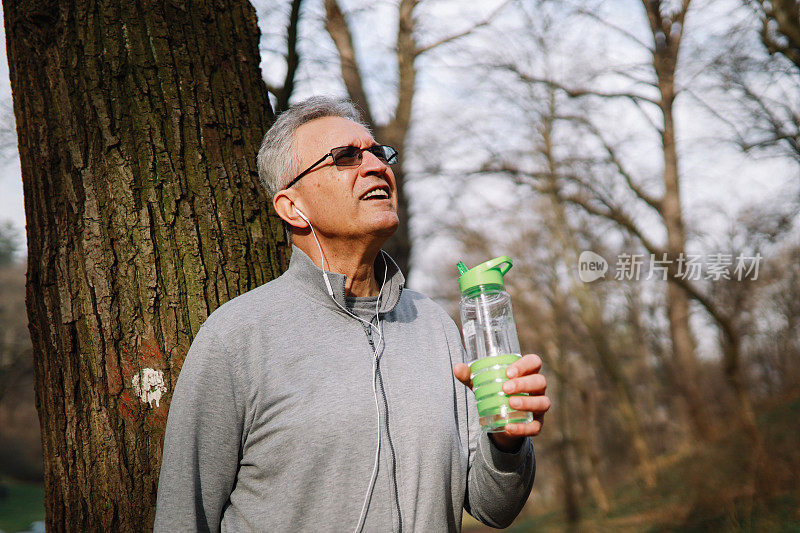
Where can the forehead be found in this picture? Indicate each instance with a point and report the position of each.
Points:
(322, 134)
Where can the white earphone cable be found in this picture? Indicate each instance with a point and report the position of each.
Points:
(379, 330)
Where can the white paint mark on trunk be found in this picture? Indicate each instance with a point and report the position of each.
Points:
(149, 385)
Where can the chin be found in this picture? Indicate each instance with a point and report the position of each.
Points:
(386, 225)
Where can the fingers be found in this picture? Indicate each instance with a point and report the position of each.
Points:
(462, 374)
(527, 367)
(530, 429)
(527, 364)
(525, 378)
(537, 405)
(534, 404)
(532, 384)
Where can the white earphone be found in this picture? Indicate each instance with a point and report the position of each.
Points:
(379, 331)
(322, 257)
(302, 215)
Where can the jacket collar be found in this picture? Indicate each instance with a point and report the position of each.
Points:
(303, 269)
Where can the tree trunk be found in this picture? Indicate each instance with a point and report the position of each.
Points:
(395, 131)
(590, 453)
(591, 317)
(399, 244)
(590, 309)
(571, 507)
(138, 127)
(731, 344)
(684, 368)
(667, 32)
(569, 483)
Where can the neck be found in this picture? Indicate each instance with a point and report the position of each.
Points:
(354, 259)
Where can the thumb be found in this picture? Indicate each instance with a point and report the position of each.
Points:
(462, 374)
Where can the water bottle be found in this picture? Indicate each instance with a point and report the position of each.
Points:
(490, 339)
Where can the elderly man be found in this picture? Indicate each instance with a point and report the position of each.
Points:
(327, 399)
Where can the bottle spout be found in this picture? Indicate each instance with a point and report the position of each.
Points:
(487, 273)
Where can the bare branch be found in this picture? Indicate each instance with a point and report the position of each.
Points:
(652, 201)
(719, 116)
(337, 28)
(626, 74)
(622, 31)
(395, 132)
(292, 58)
(456, 36)
(785, 18)
(623, 220)
(609, 211)
(573, 91)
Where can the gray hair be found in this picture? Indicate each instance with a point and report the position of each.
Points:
(278, 159)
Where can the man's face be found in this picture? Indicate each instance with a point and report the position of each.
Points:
(333, 198)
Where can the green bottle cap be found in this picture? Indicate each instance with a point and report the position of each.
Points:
(489, 273)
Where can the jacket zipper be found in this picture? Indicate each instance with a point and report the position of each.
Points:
(368, 330)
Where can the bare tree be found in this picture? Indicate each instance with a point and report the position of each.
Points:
(751, 90)
(590, 310)
(620, 201)
(575, 184)
(283, 93)
(395, 131)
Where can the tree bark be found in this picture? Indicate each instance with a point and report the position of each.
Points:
(138, 127)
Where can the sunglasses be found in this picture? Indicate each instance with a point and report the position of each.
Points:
(352, 156)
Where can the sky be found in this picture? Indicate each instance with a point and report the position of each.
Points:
(11, 203)
(722, 180)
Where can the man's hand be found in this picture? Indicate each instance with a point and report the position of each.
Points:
(523, 377)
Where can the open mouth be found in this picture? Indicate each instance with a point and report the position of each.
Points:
(379, 193)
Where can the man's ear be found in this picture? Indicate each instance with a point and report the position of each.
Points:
(287, 210)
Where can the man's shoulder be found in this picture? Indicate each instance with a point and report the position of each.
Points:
(255, 306)
(423, 306)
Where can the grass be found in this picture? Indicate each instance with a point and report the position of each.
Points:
(652, 513)
(22, 505)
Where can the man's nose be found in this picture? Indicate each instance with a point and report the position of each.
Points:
(371, 164)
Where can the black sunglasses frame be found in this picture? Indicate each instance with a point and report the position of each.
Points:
(378, 150)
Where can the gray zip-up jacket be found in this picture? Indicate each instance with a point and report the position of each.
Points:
(273, 425)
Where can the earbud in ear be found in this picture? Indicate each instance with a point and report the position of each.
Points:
(302, 215)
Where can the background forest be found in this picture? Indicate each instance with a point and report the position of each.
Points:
(662, 136)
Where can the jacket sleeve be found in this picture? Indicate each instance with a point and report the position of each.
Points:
(202, 441)
(498, 483)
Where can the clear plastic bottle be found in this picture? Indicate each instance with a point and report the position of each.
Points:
(490, 339)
